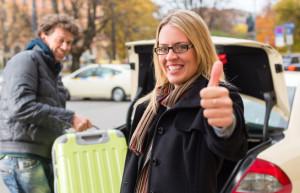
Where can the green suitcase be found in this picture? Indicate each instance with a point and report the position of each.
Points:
(89, 162)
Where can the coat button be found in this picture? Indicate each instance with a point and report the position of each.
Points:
(160, 130)
(155, 162)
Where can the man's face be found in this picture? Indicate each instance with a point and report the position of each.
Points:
(59, 42)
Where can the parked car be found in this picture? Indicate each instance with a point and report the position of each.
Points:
(273, 167)
(271, 112)
(291, 62)
(107, 81)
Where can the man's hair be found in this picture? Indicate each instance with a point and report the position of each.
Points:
(51, 21)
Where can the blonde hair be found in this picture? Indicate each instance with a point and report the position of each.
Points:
(195, 29)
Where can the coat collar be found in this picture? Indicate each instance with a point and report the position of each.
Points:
(40, 46)
(191, 98)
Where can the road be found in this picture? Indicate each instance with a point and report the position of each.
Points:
(103, 114)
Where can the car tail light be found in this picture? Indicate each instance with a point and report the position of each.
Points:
(292, 68)
(263, 177)
(223, 58)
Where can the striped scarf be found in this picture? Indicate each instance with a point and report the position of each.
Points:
(168, 96)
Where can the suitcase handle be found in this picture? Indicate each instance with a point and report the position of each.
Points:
(87, 138)
(96, 127)
(72, 130)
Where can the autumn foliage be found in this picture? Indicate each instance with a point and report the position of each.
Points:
(265, 25)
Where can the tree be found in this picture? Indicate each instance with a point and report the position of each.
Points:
(111, 22)
(34, 17)
(288, 11)
(130, 20)
(210, 10)
(15, 27)
(4, 31)
(92, 19)
(265, 25)
(54, 6)
(216, 12)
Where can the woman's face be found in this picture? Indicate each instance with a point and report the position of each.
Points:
(178, 67)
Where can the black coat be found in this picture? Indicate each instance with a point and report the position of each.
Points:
(187, 154)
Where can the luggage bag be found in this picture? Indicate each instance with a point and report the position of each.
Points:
(89, 162)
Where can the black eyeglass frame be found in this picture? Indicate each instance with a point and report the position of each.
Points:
(188, 46)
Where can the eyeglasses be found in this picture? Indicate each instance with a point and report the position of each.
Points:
(177, 48)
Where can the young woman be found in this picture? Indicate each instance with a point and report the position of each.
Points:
(189, 123)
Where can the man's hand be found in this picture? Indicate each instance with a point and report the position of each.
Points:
(216, 101)
(80, 123)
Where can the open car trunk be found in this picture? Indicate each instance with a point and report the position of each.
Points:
(248, 65)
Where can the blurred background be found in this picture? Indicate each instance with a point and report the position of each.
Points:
(107, 24)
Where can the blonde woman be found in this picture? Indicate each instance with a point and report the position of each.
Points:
(189, 123)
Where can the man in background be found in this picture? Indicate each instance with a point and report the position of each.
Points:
(32, 108)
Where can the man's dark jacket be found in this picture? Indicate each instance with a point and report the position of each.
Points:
(186, 154)
(32, 106)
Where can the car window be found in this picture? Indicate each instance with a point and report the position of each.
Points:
(291, 93)
(86, 73)
(105, 72)
(290, 59)
(295, 60)
(255, 112)
(286, 60)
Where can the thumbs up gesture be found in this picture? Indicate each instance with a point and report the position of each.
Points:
(215, 100)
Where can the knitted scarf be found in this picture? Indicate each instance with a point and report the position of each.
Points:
(166, 95)
(39, 42)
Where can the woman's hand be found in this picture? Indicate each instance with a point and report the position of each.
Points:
(216, 101)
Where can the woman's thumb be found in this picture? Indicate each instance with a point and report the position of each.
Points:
(216, 73)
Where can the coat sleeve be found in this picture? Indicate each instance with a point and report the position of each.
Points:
(63, 93)
(234, 147)
(21, 95)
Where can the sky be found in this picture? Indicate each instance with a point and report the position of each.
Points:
(253, 6)
(250, 5)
